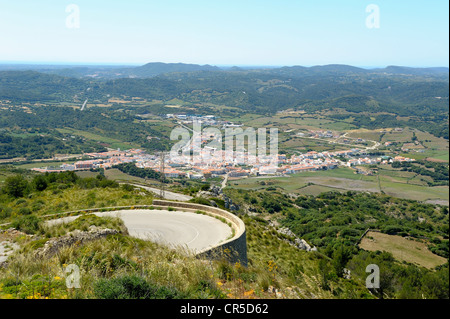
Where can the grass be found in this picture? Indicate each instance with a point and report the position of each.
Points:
(402, 249)
(286, 266)
(86, 174)
(393, 182)
(115, 174)
(109, 265)
(83, 223)
(296, 182)
(43, 164)
(416, 192)
(105, 261)
(373, 135)
(113, 143)
(54, 201)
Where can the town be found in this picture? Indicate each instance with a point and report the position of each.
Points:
(219, 166)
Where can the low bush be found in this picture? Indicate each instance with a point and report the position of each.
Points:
(133, 287)
(29, 224)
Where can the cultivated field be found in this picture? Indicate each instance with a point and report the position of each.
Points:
(393, 182)
(402, 249)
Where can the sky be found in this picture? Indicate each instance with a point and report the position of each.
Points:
(226, 32)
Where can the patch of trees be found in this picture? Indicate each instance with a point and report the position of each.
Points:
(402, 281)
(38, 147)
(437, 171)
(116, 124)
(18, 186)
(133, 170)
(332, 219)
(334, 223)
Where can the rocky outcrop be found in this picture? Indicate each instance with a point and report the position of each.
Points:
(54, 245)
(7, 244)
(216, 191)
(205, 194)
(296, 242)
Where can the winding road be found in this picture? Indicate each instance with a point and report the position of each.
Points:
(167, 194)
(195, 232)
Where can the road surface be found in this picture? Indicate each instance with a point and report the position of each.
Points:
(174, 229)
(168, 195)
(225, 181)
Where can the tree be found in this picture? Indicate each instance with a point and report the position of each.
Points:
(39, 183)
(325, 273)
(16, 186)
(340, 258)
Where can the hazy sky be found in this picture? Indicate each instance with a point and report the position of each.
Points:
(226, 32)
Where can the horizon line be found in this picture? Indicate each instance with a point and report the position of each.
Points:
(80, 64)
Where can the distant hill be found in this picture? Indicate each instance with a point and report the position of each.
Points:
(157, 68)
(422, 93)
(413, 71)
(153, 69)
(342, 70)
(112, 72)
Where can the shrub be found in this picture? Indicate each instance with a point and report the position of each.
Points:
(38, 205)
(5, 212)
(24, 211)
(133, 287)
(201, 201)
(29, 224)
(206, 289)
(21, 201)
(127, 187)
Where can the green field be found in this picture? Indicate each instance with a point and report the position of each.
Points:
(113, 143)
(393, 182)
(42, 164)
(403, 249)
(115, 174)
(296, 122)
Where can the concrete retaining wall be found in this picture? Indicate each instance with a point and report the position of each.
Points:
(233, 249)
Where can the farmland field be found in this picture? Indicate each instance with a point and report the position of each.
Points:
(403, 249)
(393, 182)
(113, 143)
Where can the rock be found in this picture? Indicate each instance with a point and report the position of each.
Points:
(213, 203)
(216, 190)
(205, 194)
(298, 242)
(347, 274)
(54, 245)
(6, 248)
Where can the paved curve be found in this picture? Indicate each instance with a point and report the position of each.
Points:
(193, 231)
(168, 194)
